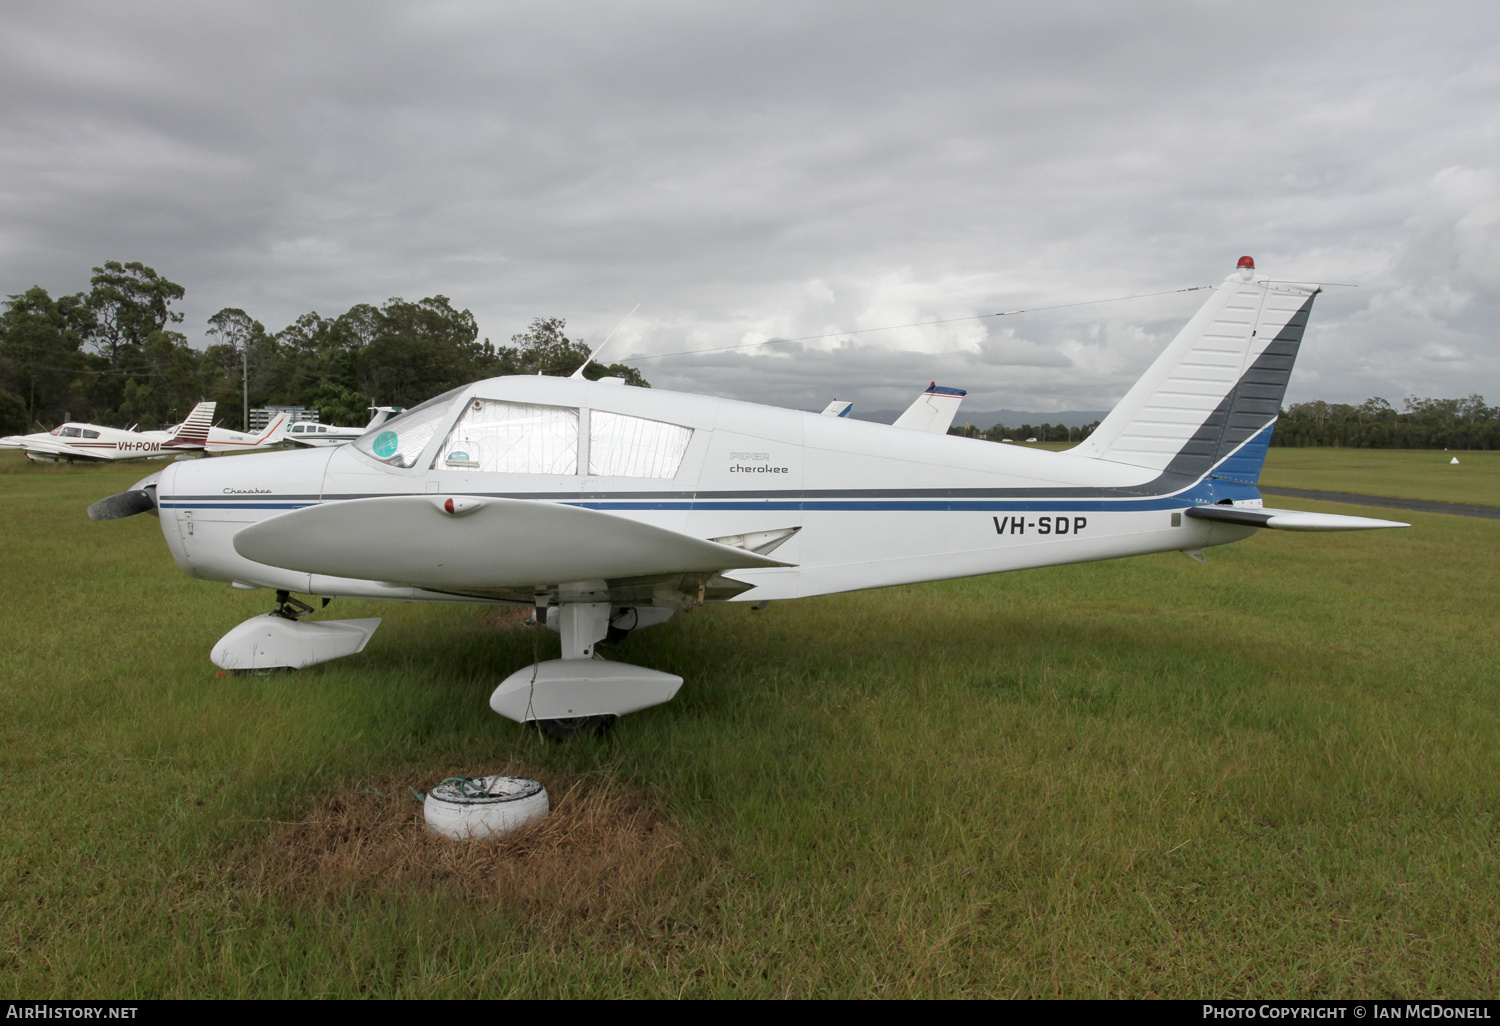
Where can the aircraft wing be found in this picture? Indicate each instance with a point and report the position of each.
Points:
(474, 545)
(1288, 519)
(53, 448)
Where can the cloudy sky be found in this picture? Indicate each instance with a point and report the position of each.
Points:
(747, 171)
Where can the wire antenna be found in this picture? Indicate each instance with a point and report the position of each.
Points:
(579, 372)
(918, 324)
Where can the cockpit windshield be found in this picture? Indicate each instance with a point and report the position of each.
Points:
(400, 440)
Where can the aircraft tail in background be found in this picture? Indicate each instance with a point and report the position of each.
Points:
(933, 411)
(193, 433)
(1210, 401)
(274, 430)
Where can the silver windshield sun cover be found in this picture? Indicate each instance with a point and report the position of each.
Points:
(401, 440)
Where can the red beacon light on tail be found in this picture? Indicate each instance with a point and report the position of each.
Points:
(1247, 268)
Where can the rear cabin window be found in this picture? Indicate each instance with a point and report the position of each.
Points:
(512, 438)
(621, 446)
(90, 434)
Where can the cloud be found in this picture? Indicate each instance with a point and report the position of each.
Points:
(784, 171)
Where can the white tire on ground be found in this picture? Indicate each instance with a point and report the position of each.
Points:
(484, 806)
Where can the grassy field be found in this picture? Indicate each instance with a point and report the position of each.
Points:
(1402, 473)
(1272, 774)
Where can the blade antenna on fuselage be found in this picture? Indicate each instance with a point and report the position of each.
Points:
(579, 372)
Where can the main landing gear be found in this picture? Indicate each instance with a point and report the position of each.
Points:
(289, 608)
(580, 694)
(575, 726)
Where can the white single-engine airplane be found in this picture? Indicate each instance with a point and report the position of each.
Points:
(194, 436)
(314, 435)
(607, 506)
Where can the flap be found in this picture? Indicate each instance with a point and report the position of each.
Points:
(448, 542)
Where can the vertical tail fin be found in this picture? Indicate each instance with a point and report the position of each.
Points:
(933, 411)
(381, 414)
(193, 432)
(1210, 400)
(274, 430)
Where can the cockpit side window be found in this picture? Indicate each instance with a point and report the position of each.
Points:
(399, 441)
(512, 438)
(72, 432)
(623, 446)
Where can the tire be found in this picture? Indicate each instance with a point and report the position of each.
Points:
(464, 810)
(575, 726)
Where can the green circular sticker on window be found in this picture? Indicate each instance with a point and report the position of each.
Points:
(385, 444)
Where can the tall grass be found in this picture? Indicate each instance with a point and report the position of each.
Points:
(1272, 774)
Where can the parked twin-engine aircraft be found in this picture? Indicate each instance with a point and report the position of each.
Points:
(76, 441)
(305, 433)
(606, 506)
(194, 436)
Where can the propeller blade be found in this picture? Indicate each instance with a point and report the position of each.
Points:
(125, 504)
(139, 498)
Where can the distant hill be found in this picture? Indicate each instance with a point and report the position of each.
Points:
(985, 421)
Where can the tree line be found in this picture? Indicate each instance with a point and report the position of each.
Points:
(1027, 432)
(112, 355)
(1375, 424)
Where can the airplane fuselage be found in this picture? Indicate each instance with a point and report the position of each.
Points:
(876, 505)
(321, 435)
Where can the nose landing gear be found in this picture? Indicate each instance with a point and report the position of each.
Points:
(289, 608)
(281, 640)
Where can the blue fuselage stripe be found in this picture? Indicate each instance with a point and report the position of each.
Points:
(165, 504)
(887, 505)
(1184, 499)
